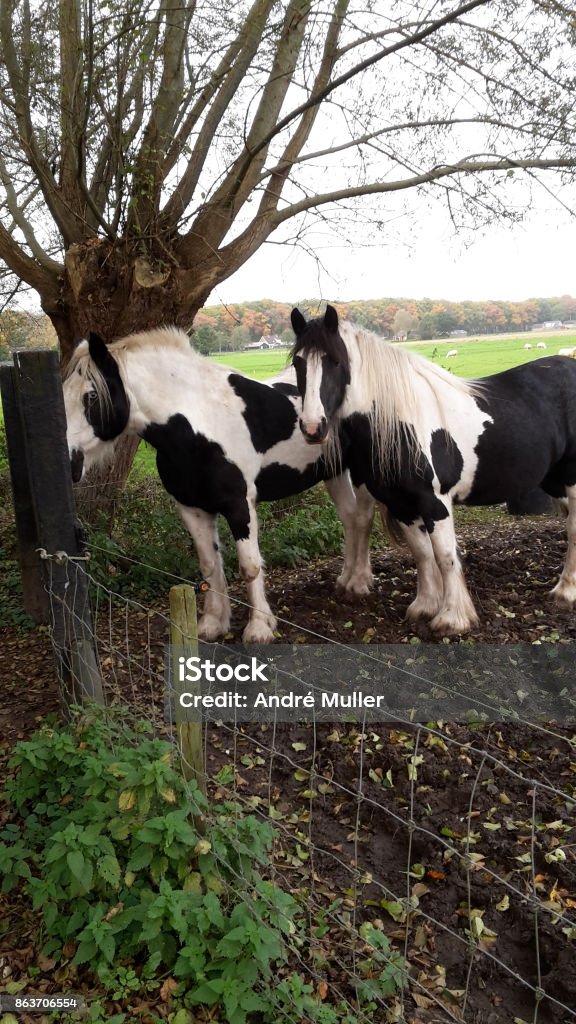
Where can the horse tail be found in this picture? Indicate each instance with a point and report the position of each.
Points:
(391, 527)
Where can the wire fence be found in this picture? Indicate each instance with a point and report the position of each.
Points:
(454, 840)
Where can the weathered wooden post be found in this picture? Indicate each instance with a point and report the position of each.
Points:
(36, 387)
(183, 636)
(36, 603)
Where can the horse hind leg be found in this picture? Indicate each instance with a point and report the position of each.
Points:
(564, 593)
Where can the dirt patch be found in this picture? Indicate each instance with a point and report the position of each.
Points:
(510, 569)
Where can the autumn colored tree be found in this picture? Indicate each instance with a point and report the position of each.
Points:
(148, 149)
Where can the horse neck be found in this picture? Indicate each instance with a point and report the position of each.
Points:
(162, 381)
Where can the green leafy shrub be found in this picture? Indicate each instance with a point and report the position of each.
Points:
(139, 873)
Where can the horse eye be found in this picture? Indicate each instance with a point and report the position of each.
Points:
(92, 396)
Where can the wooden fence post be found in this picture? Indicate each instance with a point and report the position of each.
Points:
(36, 602)
(42, 417)
(183, 636)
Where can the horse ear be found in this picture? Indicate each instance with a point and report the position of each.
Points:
(100, 355)
(331, 319)
(298, 322)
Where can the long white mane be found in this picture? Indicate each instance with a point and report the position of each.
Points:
(396, 387)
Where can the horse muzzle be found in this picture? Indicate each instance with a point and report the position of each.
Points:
(77, 464)
(315, 433)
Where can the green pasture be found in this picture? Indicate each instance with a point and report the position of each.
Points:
(484, 356)
(255, 364)
(477, 357)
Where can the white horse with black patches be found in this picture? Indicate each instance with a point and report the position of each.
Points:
(223, 443)
(421, 439)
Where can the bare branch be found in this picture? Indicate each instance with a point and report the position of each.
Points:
(23, 224)
(467, 166)
(148, 171)
(19, 81)
(249, 40)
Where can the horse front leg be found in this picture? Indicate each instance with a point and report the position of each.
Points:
(564, 593)
(356, 511)
(262, 623)
(215, 619)
(457, 613)
(430, 587)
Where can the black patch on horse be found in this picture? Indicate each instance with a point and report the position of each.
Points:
(107, 419)
(269, 416)
(277, 481)
(446, 459)
(532, 439)
(406, 490)
(195, 471)
(290, 390)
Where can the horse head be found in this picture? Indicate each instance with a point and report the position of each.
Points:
(97, 406)
(322, 366)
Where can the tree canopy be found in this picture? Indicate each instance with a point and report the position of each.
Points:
(149, 148)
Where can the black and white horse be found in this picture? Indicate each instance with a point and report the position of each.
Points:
(223, 442)
(420, 439)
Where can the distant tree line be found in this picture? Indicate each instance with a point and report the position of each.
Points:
(229, 328)
(232, 328)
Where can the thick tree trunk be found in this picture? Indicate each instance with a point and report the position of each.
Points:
(106, 290)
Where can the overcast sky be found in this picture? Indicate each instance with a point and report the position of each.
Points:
(533, 259)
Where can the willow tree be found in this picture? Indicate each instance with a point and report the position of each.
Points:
(148, 148)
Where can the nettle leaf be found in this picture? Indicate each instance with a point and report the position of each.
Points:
(141, 859)
(109, 870)
(77, 863)
(85, 952)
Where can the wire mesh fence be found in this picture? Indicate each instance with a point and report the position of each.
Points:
(453, 840)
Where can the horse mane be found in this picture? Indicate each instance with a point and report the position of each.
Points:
(159, 338)
(388, 381)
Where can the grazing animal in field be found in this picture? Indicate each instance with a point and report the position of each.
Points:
(453, 352)
(420, 439)
(527, 346)
(541, 344)
(570, 352)
(223, 443)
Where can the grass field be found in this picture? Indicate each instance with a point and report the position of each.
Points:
(477, 357)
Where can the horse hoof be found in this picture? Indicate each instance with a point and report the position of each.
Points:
(564, 595)
(416, 612)
(445, 625)
(259, 632)
(210, 629)
(355, 589)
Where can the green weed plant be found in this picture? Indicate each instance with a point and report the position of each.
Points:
(137, 873)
